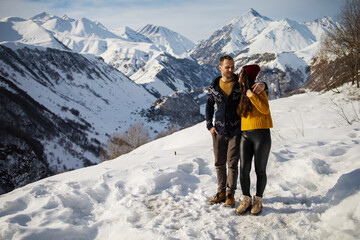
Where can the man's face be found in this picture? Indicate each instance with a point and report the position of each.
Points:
(227, 68)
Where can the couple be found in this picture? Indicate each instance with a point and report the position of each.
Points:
(241, 131)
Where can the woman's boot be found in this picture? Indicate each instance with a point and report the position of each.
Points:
(257, 206)
(245, 204)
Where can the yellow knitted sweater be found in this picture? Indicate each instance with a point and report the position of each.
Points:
(259, 117)
(225, 87)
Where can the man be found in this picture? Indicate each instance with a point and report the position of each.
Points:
(224, 92)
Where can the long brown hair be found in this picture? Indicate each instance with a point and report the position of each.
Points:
(245, 106)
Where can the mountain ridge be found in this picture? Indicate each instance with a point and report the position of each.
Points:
(252, 38)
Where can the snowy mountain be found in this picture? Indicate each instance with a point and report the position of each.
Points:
(18, 32)
(131, 35)
(76, 75)
(167, 40)
(312, 189)
(58, 108)
(76, 93)
(52, 72)
(231, 38)
(141, 55)
(284, 49)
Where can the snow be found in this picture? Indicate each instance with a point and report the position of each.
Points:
(160, 190)
(252, 34)
(167, 40)
(287, 59)
(26, 32)
(284, 35)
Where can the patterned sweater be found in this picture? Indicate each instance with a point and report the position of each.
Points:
(227, 122)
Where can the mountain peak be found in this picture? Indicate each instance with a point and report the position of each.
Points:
(131, 35)
(67, 18)
(166, 39)
(254, 12)
(41, 16)
(150, 29)
(249, 17)
(326, 21)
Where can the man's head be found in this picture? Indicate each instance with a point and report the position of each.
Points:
(226, 67)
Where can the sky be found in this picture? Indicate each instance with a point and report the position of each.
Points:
(195, 19)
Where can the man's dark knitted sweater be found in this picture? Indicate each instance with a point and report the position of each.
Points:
(227, 122)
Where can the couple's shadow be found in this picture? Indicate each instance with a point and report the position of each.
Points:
(347, 185)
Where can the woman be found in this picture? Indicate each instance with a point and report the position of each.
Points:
(255, 140)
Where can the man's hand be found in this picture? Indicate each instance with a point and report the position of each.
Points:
(213, 130)
(258, 87)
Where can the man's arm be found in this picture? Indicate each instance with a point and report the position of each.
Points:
(209, 111)
(258, 87)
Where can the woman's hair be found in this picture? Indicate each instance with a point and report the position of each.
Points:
(245, 105)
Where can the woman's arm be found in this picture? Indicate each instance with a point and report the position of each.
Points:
(260, 101)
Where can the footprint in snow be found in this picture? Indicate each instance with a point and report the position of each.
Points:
(21, 219)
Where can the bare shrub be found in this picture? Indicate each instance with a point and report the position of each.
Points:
(121, 143)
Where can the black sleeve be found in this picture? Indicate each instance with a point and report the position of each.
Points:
(266, 87)
(209, 111)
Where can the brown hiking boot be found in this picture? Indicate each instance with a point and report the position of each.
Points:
(218, 198)
(245, 204)
(257, 206)
(230, 200)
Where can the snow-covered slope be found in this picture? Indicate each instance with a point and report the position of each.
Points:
(83, 35)
(130, 35)
(153, 193)
(62, 106)
(17, 32)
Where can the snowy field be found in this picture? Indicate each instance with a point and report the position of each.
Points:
(313, 189)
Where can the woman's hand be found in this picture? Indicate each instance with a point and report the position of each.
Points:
(249, 93)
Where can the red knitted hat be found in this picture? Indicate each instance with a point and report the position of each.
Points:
(252, 70)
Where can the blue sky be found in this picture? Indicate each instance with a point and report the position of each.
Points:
(195, 19)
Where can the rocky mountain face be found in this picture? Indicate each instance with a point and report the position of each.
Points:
(173, 108)
(57, 109)
(29, 130)
(283, 49)
(179, 74)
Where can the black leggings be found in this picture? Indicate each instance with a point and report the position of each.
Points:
(255, 143)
